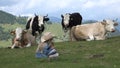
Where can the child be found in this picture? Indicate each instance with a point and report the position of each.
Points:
(46, 47)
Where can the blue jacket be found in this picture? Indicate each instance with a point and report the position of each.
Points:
(47, 51)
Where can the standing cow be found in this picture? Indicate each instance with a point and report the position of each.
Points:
(22, 38)
(94, 31)
(70, 20)
(36, 25)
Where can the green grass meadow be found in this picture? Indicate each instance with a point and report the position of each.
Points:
(81, 54)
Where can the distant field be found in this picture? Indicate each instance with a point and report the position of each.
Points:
(56, 29)
(82, 54)
(4, 44)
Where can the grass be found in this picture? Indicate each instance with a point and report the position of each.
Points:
(4, 43)
(82, 54)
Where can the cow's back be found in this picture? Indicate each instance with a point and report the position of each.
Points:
(76, 19)
(28, 37)
(79, 32)
(86, 30)
(28, 23)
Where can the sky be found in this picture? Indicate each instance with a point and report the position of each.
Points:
(89, 9)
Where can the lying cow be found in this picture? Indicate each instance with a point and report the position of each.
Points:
(94, 31)
(22, 38)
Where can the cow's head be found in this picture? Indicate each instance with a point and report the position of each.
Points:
(41, 19)
(109, 25)
(66, 19)
(18, 32)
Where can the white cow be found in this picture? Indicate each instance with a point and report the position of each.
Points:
(94, 31)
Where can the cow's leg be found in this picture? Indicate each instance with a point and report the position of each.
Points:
(65, 33)
(108, 34)
(33, 32)
(28, 45)
(72, 37)
(91, 37)
(38, 37)
(100, 37)
(13, 46)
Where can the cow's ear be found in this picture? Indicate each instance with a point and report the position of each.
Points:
(71, 18)
(35, 14)
(12, 32)
(46, 16)
(62, 16)
(115, 24)
(115, 20)
(46, 19)
(104, 22)
(69, 14)
(24, 31)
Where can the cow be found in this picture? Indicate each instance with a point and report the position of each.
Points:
(36, 24)
(22, 38)
(108, 34)
(93, 31)
(70, 20)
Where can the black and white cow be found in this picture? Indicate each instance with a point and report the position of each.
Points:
(70, 20)
(36, 24)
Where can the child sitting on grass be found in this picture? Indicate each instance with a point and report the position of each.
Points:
(46, 47)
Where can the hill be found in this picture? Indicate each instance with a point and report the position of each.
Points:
(55, 19)
(88, 21)
(7, 18)
(83, 54)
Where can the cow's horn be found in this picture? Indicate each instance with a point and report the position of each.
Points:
(46, 15)
(115, 20)
(104, 20)
(35, 14)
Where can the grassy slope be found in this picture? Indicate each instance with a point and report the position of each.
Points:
(72, 55)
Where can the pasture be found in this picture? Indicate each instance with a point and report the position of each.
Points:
(82, 54)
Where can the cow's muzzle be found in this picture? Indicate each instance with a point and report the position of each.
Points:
(115, 24)
(41, 27)
(17, 39)
(113, 30)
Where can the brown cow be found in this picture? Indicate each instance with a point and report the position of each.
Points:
(22, 38)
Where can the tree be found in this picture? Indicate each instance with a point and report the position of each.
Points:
(4, 35)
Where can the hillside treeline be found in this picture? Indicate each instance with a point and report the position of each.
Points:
(7, 18)
(4, 35)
